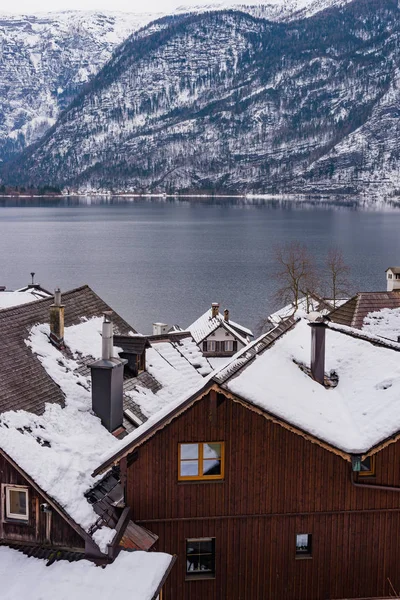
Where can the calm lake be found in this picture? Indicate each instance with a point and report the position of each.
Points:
(168, 259)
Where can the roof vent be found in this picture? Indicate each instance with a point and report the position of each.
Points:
(226, 314)
(318, 330)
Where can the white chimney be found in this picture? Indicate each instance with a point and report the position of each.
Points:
(160, 328)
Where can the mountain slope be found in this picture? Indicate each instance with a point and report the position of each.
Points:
(229, 102)
(45, 60)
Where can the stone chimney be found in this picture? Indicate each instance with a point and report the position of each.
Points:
(226, 314)
(214, 309)
(57, 321)
(318, 331)
(107, 381)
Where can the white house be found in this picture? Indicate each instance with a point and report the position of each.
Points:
(393, 279)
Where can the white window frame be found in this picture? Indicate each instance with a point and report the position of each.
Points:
(211, 346)
(16, 488)
(230, 343)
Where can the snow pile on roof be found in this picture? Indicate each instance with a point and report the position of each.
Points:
(360, 412)
(384, 323)
(175, 374)
(190, 350)
(60, 448)
(206, 324)
(133, 575)
(8, 299)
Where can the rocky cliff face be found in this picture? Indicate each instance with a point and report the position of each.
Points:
(45, 61)
(232, 102)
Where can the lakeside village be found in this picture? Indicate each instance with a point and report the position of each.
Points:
(199, 463)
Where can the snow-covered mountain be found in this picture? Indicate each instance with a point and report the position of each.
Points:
(45, 60)
(230, 102)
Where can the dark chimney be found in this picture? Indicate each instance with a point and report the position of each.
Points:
(57, 321)
(226, 314)
(214, 309)
(318, 330)
(107, 381)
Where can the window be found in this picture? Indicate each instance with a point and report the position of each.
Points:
(200, 558)
(211, 346)
(367, 467)
(397, 276)
(201, 461)
(303, 545)
(389, 276)
(17, 506)
(229, 346)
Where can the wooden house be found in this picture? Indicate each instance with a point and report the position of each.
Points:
(279, 477)
(66, 396)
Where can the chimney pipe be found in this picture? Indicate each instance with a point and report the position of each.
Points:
(214, 309)
(107, 336)
(57, 321)
(226, 314)
(318, 330)
(108, 381)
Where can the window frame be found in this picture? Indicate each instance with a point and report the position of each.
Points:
(10, 516)
(183, 478)
(228, 343)
(307, 553)
(211, 346)
(370, 472)
(196, 575)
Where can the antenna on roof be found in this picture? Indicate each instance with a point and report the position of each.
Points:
(33, 277)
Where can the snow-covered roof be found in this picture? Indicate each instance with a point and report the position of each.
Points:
(58, 446)
(207, 324)
(359, 413)
(384, 323)
(23, 296)
(305, 305)
(353, 312)
(133, 575)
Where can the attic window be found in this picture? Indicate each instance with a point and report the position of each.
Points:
(367, 467)
(390, 276)
(17, 503)
(199, 462)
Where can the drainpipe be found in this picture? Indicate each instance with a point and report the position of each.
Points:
(371, 486)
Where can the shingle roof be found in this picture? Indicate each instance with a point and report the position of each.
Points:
(24, 384)
(395, 270)
(353, 312)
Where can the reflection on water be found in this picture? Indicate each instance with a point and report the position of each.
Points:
(168, 258)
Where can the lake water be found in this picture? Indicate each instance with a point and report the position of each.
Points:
(167, 260)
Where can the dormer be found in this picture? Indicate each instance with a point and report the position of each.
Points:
(133, 349)
(393, 279)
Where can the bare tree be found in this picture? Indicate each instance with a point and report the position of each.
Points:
(337, 275)
(296, 273)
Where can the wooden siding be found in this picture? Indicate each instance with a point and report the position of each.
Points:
(34, 531)
(277, 484)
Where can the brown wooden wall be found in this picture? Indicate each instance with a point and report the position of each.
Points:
(62, 534)
(276, 484)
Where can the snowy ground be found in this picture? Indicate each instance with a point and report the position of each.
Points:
(134, 575)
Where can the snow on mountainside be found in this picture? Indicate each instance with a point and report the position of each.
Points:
(45, 60)
(230, 102)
